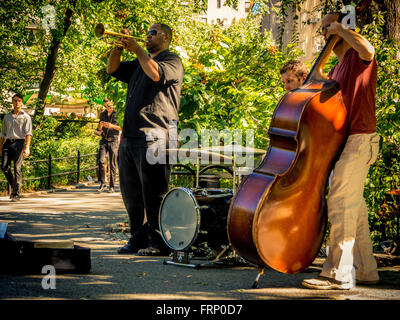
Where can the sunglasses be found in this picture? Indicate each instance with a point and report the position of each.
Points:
(153, 32)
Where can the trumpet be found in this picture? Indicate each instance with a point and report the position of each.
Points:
(100, 31)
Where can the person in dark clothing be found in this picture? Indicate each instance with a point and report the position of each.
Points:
(109, 131)
(15, 141)
(152, 104)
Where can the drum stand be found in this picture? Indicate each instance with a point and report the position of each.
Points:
(255, 283)
(181, 258)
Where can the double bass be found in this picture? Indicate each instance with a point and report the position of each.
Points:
(278, 216)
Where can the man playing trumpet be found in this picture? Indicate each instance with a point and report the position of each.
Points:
(152, 103)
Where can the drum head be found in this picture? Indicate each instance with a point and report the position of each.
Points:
(179, 219)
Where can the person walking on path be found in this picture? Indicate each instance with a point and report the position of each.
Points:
(109, 131)
(15, 142)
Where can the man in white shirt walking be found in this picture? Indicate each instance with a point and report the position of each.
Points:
(15, 141)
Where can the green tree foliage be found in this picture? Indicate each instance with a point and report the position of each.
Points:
(21, 62)
(233, 80)
(384, 175)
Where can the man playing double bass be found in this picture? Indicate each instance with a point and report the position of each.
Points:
(350, 259)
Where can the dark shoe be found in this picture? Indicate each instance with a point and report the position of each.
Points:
(15, 198)
(130, 247)
(102, 188)
(151, 251)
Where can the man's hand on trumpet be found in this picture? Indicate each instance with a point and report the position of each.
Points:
(129, 44)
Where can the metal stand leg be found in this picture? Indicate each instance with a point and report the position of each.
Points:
(255, 283)
(189, 265)
(234, 186)
(197, 170)
(185, 261)
(218, 258)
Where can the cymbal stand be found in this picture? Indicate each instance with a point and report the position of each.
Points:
(218, 258)
(197, 170)
(255, 283)
(234, 175)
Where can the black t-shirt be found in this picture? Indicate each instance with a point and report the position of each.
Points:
(109, 134)
(151, 105)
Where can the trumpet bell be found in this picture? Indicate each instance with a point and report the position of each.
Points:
(99, 30)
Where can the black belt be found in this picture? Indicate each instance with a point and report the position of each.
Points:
(14, 140)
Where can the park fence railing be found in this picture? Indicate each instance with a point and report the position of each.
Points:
(47, 173)
(44, 173)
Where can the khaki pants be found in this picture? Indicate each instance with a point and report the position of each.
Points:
(350, 247)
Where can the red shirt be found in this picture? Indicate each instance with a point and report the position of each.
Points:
(357, 79)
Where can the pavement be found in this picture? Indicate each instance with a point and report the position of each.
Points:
(83, 215)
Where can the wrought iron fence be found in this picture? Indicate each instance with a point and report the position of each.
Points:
(44, 173)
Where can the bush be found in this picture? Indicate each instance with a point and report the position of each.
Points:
(233, 81)
(384, 175)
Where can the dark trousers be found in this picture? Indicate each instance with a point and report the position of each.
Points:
(143, 187)
(110, 148)
(13, 152)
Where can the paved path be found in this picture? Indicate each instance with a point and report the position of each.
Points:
(82, 215)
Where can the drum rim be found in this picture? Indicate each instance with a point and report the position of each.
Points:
(198, 213)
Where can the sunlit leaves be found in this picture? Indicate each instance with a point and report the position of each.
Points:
(384, 174)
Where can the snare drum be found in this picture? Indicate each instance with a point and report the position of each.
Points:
(189, 217)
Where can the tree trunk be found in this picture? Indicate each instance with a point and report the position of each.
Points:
(392, 19)
(50, 70)
(391, 8)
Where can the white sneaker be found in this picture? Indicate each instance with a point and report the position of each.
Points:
(323, 283)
